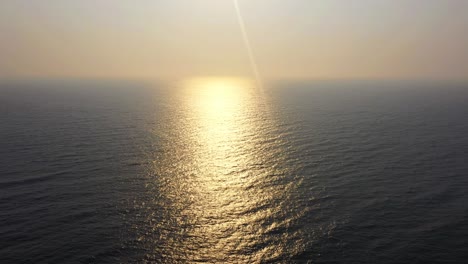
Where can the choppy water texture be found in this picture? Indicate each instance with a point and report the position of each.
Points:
(214, 170)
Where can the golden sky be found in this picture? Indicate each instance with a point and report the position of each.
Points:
(291, 39)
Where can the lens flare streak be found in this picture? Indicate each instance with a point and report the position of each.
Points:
(248, 45)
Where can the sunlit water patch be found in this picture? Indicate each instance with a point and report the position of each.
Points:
(223, 183)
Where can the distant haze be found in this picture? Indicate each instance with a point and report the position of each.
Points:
(291, 39)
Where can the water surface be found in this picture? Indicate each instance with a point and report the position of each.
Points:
(216, 170)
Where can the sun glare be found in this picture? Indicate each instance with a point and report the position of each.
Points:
(218, 97)
(218, 83)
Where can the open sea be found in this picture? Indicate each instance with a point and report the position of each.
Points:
(218, 171)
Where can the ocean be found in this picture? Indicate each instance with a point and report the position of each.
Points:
(218, 171)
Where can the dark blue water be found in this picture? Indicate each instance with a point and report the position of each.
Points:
(218, 171)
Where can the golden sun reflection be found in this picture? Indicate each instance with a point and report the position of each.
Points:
(221, 111)
(220, 182)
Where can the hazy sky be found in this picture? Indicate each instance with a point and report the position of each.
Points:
(305, 39)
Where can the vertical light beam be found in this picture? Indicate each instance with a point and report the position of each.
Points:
(248, 46)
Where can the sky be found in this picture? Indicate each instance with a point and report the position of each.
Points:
(291, 39)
